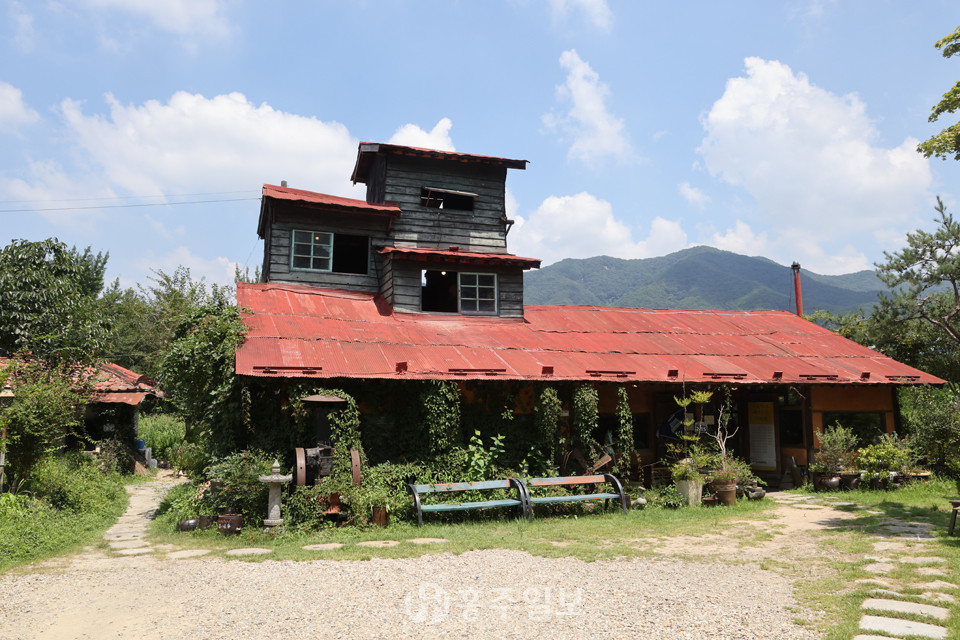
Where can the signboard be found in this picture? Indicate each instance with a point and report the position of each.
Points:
(763, 437)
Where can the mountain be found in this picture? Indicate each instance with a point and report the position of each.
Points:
(696, 278)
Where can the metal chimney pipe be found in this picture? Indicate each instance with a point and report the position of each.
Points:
(798, 293)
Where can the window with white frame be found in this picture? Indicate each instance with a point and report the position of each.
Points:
(478, 292)
(325, 251)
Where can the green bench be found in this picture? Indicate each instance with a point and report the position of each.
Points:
(417, 490)
(524, 500)
(616, 492)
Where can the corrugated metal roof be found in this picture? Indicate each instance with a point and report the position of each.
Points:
(304, 331)
(301, 195)
(454, 254)
(115, 384)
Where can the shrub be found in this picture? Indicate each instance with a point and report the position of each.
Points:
(163, 433)
(74, 482)
(890, 454)
(191, 458)
(234, 486)
(666, 497)
(837, 448)
(932, 418)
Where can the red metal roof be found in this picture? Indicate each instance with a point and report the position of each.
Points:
(367, 150)
(326, 201)
(453, 254)
(115, 384)
(304, 331)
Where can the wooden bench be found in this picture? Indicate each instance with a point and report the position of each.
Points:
(567, 481)
(955, 504)
(417, 490)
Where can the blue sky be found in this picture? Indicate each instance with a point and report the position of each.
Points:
(781, 129)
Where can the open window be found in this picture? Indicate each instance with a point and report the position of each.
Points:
(455, 292)
(434, 198)
(332, 252)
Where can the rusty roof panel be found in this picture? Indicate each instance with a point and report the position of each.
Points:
(301, 331)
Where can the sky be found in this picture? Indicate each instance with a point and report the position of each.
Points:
(786, 129)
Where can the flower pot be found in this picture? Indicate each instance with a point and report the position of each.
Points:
(205, 522)
(381, 516)
(230, 523)
(727, 493)
(187, 525)
(850, 481)
(829, 482)
(879, 482)
(690, 490)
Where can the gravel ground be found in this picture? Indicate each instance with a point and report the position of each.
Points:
(495, 594)
(484, 594)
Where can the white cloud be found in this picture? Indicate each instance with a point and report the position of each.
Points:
(410, 135)
(582, 226)
(693, 195)
(183, 17)
(595, 132)
(24, 37)
(217, 270)
(192, 143)
(740, 239)
(596, 11)
(805, 154)
(14, 112)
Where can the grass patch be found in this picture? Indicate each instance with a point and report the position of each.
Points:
(69, 503)
(593, 536)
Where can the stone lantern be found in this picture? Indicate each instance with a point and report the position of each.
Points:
(273, 503)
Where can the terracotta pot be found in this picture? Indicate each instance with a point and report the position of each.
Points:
(187, 525)
(205, 522)
(381, 516)
(727, 493)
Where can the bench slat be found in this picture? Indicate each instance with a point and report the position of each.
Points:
(462, 486)
(463, 506)
(580, 498)
(553, 482)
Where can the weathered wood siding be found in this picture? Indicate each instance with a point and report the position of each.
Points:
(406, 284)
(479, 230)
(277, 247)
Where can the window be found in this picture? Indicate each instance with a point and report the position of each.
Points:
(324, 251)
(478, 293)
(867, 426)
(446, 199)
(453, 292)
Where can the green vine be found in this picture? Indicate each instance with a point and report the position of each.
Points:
(547, 419)
(624, 437)
(440, 402)
(586, 416)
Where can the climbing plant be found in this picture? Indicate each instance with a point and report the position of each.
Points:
(440, 403)
(547, 419)
(624, 437)
(585, 416)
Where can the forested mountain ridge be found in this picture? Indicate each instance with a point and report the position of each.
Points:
(696, 278)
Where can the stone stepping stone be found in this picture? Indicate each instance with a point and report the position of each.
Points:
(125, 536)
(890, 546)
(902, 627)
(876, 581)
(899, 606)
(870, 636)
(187, 553)
(939, 585)
(922, 560)
(931, 571)
(134, 552)
(880, 559)
(879, 567)
(886, 592)
(378, 543)
(938, 597)
(326, 546)
(250, 551)
(427, 540)
(918, 537)
(129, 544)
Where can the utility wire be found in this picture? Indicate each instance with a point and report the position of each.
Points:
(124, 206)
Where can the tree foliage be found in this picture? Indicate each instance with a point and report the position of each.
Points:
(924, 278)
(49, 302)
(947, 142)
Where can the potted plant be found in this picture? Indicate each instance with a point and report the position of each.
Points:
(723, 482)
(686, 475)
(836, 454)
(883, 459)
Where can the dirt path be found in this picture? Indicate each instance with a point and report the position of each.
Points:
(135, 588)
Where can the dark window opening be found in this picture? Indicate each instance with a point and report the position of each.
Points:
(608, 425)
(324, 251)
(350, 254)
(641, 431)
(791, 428)
(438, 292)
(443, 199)
(868, 427)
